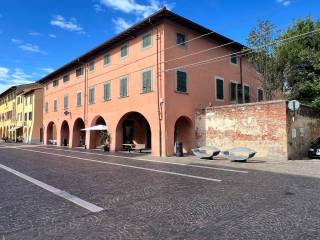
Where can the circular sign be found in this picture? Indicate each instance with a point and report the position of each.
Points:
(294, 105)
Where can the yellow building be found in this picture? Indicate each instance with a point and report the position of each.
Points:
(21, 111)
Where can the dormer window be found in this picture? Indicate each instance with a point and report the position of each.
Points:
(234, 59)
(181, 39)
(79, 72)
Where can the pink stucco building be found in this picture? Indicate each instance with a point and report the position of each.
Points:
(145, 85)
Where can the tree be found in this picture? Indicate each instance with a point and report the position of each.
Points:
(298, 62)
(262, 55)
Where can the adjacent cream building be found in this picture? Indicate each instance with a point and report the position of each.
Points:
(21, 113)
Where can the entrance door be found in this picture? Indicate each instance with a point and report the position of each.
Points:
(128, 131)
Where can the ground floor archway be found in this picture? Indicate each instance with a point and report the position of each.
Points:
(133, 128)
(51, 133)
(78, 136)
(65, 133)
(183, 132)
(98, 138)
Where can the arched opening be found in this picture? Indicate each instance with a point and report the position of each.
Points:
(98, 137)
(65, 133)
(51, 133)
(133, 128)
(183, 132)
(78, 136)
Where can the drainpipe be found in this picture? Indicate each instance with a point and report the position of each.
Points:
(241, 80)
(158, 95)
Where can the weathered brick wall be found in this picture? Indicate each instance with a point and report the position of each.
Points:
(302, 130)
(260, 126)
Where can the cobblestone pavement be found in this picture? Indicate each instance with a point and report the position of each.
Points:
(143, 199)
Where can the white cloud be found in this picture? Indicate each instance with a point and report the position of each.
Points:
(31, 48)
(121, 24)
(17, 77)
(27, 46)
(52, 36)
(35, 34)
(284, 2)
(4, 73)
(131, 7)
(46, 69)
(16, 41)
(98, 7)
(69, 25)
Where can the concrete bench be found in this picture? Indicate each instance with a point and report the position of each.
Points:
(239, 154)
(206, 152)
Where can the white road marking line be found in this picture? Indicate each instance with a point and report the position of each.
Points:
(127, 166)
(82, 203)
(148, 160)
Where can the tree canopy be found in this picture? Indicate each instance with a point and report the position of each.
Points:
(292, 64)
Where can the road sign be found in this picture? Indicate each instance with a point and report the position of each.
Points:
(294, 105)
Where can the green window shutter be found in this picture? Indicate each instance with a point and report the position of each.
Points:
(246, 94)
(146, 81)
(181, 81)
(106, 91)
(79, 98)
(106, 59)
(124, 87)
(260, 95)
(240, 93)
(219, 89)
(233, 92)
(91, 95)
(65, 102)
(146, 40)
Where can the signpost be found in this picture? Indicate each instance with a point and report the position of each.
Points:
(294, 105)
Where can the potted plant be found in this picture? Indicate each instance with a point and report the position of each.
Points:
(105, 140)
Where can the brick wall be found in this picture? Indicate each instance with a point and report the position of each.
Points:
(302, 127)
(260, 126)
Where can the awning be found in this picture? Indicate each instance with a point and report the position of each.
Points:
(14, 128)
(96, 128)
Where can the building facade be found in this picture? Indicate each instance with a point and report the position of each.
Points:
(145, 84)
(21, 111)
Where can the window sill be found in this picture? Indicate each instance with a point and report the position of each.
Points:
(123, 97)
(91, 103)
(146, 92)
(107, 100)
(184, 93)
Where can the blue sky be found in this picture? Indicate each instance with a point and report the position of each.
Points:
(37, 37)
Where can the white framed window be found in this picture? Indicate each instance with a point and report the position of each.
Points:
(124, 87)
(146, 81)
(79, 72)
(91, 95)
(124, 51)
(55, 105)
(55, 83)
(91, 66)
(260, 95)
(181, 39)
(65, 102)
(79, 98)
(219, 83)
(107, 91)
(146, 40)
(66, 78)
(234, 59)
(233, 91)
(181, 81)
(106, 59)
(46, 107)
(246, 92)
